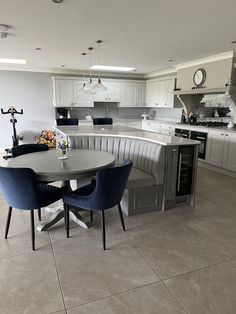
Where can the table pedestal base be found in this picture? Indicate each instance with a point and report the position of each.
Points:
(58, 215)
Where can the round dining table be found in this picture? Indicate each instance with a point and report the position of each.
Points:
(81, 164)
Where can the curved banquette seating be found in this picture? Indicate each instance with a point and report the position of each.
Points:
(145, 185)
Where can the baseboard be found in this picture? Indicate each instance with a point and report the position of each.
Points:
(217, 169)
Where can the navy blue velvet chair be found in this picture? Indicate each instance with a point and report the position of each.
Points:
(102, 121)
(101, 194)
(21, 190)
(27, 149)
(67, 121)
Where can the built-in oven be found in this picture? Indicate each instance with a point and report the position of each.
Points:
(202, 138)
(182, 133)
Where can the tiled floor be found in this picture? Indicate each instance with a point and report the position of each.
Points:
(179, 261)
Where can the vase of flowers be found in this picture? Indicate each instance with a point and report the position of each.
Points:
(63, 147)
(47, 137)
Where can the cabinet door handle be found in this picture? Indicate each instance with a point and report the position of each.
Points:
(222, 134)
(180, 161)
(226, 134)
(200, 138)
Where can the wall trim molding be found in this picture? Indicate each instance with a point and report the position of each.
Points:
(218, 57)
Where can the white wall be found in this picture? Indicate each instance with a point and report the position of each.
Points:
(31, 92)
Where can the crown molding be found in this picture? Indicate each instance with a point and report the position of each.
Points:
(170, 71)
(218, 57)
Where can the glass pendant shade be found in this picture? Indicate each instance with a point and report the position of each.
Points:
(82, 89)
(99, 86)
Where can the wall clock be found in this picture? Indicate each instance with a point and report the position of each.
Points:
(199, 77)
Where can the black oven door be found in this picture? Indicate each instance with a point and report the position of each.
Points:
(202, 138)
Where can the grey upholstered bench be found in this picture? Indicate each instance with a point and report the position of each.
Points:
(145, 186)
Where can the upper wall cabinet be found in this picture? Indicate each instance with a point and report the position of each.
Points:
(113, 92)
(63, 93)
(127, 93)
(66, 93)
(133, 94)
(159, 93)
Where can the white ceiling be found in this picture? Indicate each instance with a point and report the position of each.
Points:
(144, 34)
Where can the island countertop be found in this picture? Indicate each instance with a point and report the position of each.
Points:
(122, 131)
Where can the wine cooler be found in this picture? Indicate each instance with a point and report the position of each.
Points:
(185, 170)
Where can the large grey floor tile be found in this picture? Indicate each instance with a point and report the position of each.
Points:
(171, 247)
(19, 235)
(29, 284)
(219, 229)
(207, 291)
(151, 299)
(88, 273)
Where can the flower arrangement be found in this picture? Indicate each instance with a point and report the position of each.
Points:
(63, 145)
(63, 149)
(47, 137)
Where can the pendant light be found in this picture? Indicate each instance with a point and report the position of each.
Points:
(89, 85)
(99, 86)
(82, 89)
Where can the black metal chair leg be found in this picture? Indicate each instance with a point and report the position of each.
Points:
(32, 229)
(8, 221)
(103, 229)
(64, 205)
(121, 217)
(67, 220)
(91, 215)
(39, 214)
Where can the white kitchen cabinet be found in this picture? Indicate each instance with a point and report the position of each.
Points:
(148, 126)
(159, 93)
(137, 124)
(221, 149)
(81, 99)
(133, 94)
(151, 94)
(112, 94)
(165, 129)
(66, 93)
(125, 93)
(215, 147)
(130, 94)
(229, 155)
(170, 85)
(63, 93)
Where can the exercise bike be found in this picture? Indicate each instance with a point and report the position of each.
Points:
(15, 138)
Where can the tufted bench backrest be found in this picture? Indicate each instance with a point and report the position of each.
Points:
(145, 155)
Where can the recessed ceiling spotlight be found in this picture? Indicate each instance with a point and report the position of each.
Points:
(63, 66)
(38, 48)
(57, 1)
(170, 60)
(233, 42)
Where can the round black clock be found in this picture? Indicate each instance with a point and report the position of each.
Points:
(199, 77)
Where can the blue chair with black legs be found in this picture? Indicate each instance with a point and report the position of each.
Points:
(27, 149)
(67, 121)
(102, 121)
(21, 190)
(102, 193)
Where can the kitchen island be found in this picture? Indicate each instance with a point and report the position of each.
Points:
(164, 167)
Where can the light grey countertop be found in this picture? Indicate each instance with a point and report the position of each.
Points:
(123, 131)
(193, 127)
